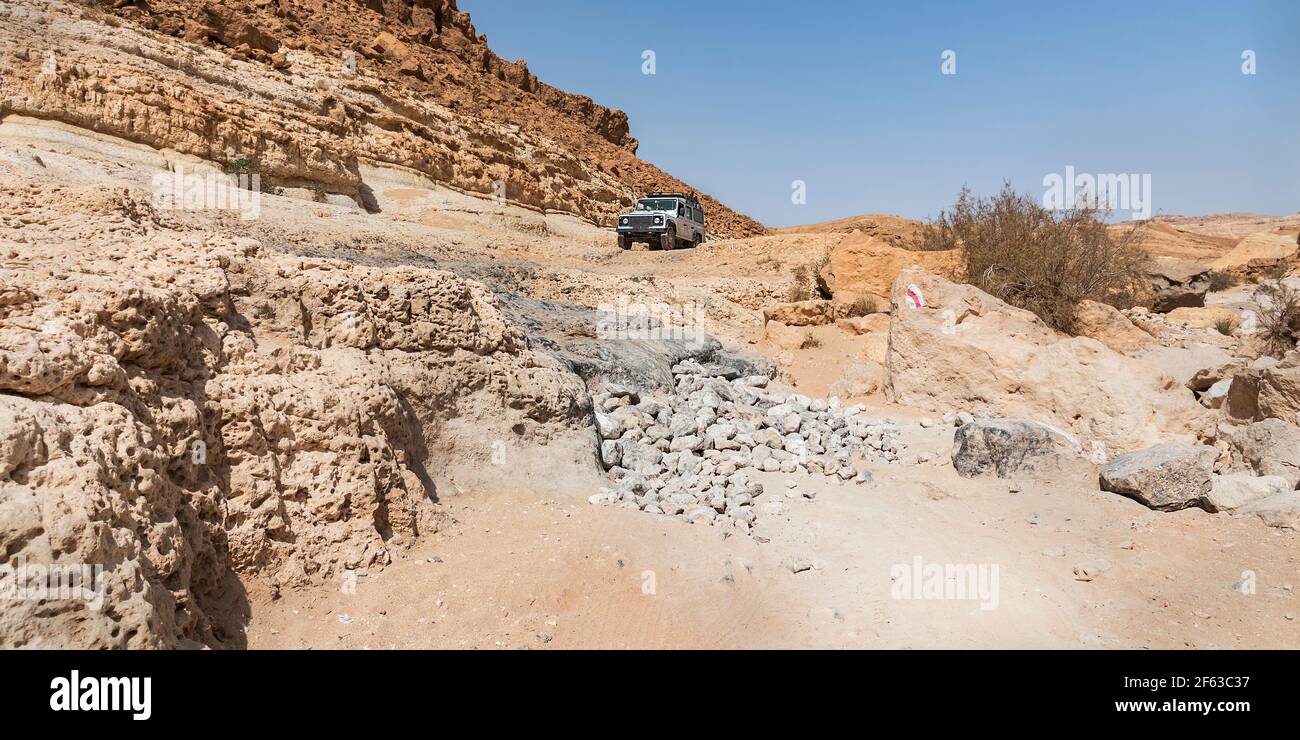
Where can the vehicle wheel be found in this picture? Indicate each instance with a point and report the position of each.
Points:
(624, 242)
(669, 239)
(697, 241)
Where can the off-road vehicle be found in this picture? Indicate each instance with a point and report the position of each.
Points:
(664, 220)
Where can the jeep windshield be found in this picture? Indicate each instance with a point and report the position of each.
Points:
(656, 204)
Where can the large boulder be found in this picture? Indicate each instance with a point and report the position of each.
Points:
(1110, 327)
(954, 346)
(1177, 283)
(1010, 447)
(862, 265)
(1270, 447)
(1168, 476)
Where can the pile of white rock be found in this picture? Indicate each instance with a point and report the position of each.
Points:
(691, 454)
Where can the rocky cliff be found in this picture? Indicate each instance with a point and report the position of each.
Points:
(310, 93)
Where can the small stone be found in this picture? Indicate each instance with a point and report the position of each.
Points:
(800, 563)
(1089, 570)
(604, 498)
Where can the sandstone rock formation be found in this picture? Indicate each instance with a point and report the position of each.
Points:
(801, 313)
(955, 347)
(328, 97)
(178, 406)
(1168, 240)
(1259, 254)
(895, 231)
(1110, 327)
(865, 266)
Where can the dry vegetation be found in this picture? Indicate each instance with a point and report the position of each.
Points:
(1278, 327)
(804, 276)
(864, 306)
(1044, 261)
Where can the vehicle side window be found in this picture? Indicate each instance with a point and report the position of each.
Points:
(681, 210)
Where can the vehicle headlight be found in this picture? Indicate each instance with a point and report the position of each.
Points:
(659, 219)
(623, 220)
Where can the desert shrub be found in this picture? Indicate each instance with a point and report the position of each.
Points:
(810, 341)
(1222, 280)
(1277, 312)
(1037, 259)
(863, 306)
(799, 290)
(804, 276)
(1225, 327)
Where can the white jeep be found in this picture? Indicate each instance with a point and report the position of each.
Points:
(665, 220)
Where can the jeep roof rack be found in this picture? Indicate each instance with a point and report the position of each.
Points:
(684, 196)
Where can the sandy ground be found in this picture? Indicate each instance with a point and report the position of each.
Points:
(521, 569)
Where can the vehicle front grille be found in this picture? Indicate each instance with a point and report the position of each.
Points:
(640, 222)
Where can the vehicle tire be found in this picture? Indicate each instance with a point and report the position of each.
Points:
(697, 241)
(669, 238)
(624, 242)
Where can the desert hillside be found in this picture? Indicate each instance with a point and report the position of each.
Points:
(362, 403)
(327, 96)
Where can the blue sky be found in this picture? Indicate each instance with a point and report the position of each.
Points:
(848, 96)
